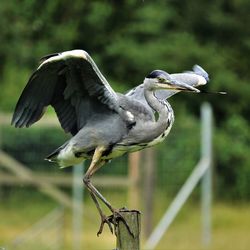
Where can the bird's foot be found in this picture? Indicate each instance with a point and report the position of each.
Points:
(108, 221)
(116, 216)
(124, 209)
(113, 220)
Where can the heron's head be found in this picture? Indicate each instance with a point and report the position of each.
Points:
(159, 79)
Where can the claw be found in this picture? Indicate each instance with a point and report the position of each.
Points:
(113, 219)
(117, 216)
(105, 219)
(124, 209)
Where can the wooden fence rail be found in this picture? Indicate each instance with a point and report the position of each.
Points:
(62, 180)
(26, 174)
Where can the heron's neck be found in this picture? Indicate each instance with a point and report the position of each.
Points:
(159, 107)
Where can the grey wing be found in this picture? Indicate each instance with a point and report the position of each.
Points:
(72, 84)
(194, 78)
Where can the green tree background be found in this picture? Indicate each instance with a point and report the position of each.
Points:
(128, 39)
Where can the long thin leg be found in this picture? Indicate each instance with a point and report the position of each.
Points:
(104, 218)
(115, 212)
(99, 195)
(96, 163)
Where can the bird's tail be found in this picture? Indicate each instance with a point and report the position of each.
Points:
(52, 157)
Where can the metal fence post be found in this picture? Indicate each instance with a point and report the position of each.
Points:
(77, 206)
(203, 167)
(206, 183)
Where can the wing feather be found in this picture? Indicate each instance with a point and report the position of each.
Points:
(70, 82)
(36, 114)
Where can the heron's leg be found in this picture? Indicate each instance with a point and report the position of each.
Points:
(92, 169)
(104, 218)
(116, 215)
(96, 163)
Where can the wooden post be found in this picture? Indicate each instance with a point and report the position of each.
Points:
(124, 240)
(149, 183)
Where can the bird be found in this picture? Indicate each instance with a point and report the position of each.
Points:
(104, 124)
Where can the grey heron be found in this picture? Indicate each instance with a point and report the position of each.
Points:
(104, 124)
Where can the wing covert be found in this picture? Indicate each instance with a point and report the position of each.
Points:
(70, 82)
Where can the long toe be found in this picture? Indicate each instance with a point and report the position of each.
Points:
(115, 217)
(125, 209)
(105, 220)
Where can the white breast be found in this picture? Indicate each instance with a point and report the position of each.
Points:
(162, 136)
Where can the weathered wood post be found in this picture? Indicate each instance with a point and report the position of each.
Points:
(124, 240)
(149, 165)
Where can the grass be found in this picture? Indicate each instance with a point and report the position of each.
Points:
(19, 209)
(230, 229)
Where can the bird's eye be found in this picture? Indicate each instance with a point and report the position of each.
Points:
(160, 79)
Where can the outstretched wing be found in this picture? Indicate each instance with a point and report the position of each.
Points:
(194, 78)
(70, 82)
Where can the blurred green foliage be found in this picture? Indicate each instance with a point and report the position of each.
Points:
(128, 39)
